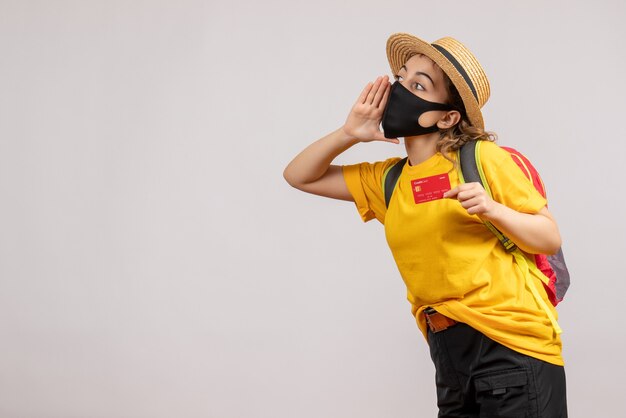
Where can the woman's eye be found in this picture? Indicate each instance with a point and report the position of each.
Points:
(414, 85)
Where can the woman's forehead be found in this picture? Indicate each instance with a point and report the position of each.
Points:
(421, 64)
(421, 58)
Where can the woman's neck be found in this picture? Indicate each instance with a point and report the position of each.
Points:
(420, 148)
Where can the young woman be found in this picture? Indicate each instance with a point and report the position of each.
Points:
(494, 342)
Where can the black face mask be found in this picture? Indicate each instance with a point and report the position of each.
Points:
(403, 110)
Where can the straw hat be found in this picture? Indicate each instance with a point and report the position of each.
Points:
(454, 59)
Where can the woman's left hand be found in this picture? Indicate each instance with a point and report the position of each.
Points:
(473, 198)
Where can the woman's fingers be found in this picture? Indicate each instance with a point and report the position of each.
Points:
(464, 191)
(474, 205)
(451, 193)
(383, 101)
(364, 119)
(373, 90)
(472, 197)
(377, 91)
(379, 136)
(392, 140)
(382, 88)
(365, 92)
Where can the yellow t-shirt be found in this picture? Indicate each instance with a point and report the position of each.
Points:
(450, 261)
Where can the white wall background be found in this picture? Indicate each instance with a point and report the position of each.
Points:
(154, 263)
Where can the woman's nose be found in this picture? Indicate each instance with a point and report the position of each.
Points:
(404, 83)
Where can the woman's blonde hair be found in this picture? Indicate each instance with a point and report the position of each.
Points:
(451, 139)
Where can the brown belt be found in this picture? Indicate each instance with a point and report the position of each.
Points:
(437, 322)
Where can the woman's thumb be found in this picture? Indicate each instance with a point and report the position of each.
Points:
(381, 137)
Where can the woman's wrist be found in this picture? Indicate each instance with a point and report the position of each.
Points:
(344, 137)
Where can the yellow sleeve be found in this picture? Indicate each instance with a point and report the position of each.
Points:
(508, 184)
(364, 181)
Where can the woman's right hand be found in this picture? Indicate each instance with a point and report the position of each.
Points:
(364, 119)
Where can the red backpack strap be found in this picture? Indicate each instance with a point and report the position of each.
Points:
(528, 169)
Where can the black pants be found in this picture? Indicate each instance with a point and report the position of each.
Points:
(479, 378)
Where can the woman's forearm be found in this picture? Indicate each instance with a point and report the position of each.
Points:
(313, 162)
(533, 233)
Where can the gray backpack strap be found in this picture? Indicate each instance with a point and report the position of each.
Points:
(390, 178)
(470, 172)
(469, 165)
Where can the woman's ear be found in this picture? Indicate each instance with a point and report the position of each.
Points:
(451, 118)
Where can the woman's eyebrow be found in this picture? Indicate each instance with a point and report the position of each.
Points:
(420, 73)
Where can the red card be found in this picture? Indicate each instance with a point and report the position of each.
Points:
(430, 188)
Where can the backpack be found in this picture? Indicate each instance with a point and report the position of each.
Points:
(551, 269)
